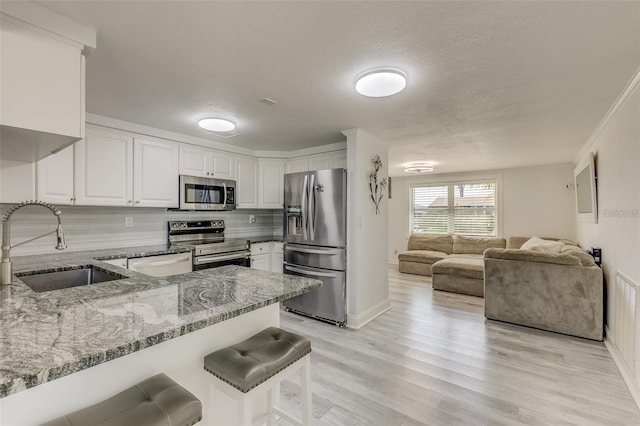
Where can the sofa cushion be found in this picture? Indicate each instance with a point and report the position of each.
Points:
(538, 244)
(442, 243)
(532, 256)
(460, 267)
(466, 255)
(585, 258)
(476, 245)
(422, 256)
(517, 242)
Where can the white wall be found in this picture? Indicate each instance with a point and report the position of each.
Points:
(616, 144)
(531, 201)
(367, 275)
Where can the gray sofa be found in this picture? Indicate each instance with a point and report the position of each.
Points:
(455, 262)
(561, 292)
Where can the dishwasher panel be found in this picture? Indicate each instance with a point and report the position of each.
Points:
(163, 265)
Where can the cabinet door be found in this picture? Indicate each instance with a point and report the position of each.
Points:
(194, 161)
(55, 178)
(246, 182)
(295, 165)
(320, 162)
(260, 261)
(41, 85)
(277, 258)
(221, 165)
(155, 173)
(271, 183)
(340, 160)
(104, 168)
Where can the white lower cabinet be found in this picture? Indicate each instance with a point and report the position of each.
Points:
(267, 256)
(277, 257)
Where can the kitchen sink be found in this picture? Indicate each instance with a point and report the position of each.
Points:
(40, 281)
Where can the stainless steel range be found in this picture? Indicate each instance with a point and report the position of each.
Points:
(210, 248)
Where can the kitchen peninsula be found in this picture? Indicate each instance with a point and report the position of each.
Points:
(66, 349)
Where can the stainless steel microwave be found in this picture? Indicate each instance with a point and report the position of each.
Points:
(198, 193)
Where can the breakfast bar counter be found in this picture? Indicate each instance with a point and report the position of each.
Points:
(64, 349)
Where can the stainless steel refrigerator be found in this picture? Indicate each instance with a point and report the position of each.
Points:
(315, 223)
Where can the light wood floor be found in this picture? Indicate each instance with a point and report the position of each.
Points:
(434, 359)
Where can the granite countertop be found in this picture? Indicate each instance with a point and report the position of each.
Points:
(48, 335)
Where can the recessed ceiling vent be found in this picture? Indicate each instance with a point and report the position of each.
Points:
(226, 135)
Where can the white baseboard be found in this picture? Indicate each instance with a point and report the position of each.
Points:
(632, 383)
(362, 319)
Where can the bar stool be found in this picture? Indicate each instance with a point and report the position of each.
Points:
(257, 366)
(155, 401)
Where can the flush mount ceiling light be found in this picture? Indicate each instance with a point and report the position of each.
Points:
(214, 124)
(381, 82)
(418, 167)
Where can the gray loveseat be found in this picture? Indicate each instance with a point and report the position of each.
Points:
(455, 262)
(561, 292)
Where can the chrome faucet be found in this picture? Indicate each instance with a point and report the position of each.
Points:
(5, 264)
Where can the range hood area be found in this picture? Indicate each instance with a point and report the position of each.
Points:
(42, 86)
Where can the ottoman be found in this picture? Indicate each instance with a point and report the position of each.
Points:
(464, 275)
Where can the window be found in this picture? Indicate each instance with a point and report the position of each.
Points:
(465, 208)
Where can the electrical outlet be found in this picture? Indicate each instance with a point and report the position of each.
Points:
(395, 252)
(128, 221)
(252, 218)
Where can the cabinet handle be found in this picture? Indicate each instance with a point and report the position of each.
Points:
(137, 201)
(129, 201)
(208, 173)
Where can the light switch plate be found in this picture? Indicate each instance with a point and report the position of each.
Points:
(252, 218)
(128, 221)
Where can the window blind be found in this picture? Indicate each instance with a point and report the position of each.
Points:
(456, 208)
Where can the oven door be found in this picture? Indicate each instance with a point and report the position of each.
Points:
(198, 193)
(242, 258)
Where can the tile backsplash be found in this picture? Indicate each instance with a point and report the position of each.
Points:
(104, 227)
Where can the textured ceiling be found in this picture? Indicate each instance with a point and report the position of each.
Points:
(491, 84)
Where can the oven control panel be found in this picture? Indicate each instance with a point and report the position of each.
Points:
(197, 225)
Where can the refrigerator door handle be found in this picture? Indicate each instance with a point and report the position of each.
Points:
(309, 273)
(305, 213)
(312, 213)
(313, 251)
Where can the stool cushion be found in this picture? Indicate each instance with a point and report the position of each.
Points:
(253, 361)
(155, 401)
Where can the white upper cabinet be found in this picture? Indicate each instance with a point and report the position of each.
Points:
(340, 159)
(104, 168)
(246, 183)
(327, 160)
(55, 178)
(155, 173)
(298, 164)
(42, 81)
(271, 183)
(222, 165)
(320, 162)
(195, 161)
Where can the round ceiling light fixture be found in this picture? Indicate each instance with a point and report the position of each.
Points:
(216, 124)
(381, 82)
(418, 167)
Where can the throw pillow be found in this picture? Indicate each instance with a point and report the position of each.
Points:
(538, 244)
